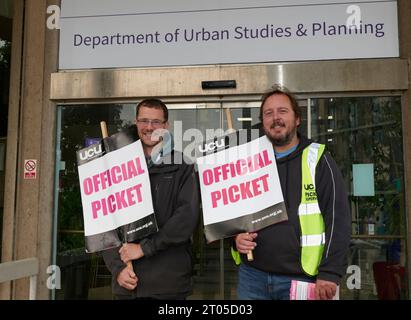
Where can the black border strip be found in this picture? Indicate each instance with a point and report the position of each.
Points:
(247, 223)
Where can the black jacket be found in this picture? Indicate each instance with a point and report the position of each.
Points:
(278, 246)
(165, 271)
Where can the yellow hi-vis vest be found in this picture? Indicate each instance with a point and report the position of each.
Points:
(311, 219)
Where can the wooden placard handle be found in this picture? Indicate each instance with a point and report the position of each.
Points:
(229, 118)
(103, 127)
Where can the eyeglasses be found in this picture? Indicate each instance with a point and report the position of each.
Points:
(156, 123)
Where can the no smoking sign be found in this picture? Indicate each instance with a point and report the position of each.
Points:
(30, 169)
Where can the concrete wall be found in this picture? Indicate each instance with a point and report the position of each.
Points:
(28, 204)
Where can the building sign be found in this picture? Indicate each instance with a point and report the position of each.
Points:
(240, 187)
(30, 169)
(128, 33)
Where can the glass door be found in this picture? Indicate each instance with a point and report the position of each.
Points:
(364, 135)
(83, 276)
(189, 124)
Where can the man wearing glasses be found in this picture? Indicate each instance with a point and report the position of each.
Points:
(162, 262)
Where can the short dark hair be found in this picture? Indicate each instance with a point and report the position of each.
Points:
(153, 103)
(278, 89)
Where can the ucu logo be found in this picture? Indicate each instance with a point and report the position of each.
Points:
(309, 186)
(91, 152)
(212, 146)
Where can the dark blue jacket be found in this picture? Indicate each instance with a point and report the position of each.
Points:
(278, 246)
(166, 269)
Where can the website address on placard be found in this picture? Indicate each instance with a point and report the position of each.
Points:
(141, 227)
(267, 216)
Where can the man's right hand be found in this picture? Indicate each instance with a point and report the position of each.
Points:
(245, 242)
(127, 278)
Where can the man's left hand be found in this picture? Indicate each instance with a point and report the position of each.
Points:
(325, 290)
(130, 251)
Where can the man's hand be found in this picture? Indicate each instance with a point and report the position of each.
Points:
(245, 242)
(130, 251)
(325, 290)
(127, 278)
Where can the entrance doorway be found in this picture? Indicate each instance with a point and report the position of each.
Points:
(357, 130)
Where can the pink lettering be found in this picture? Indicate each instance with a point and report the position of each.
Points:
(111, 206)
(88, 186)
(121, 202)
(239, 167)
(243, 191)
(215, 196)
(207, 177)
(231, 192)
(117, 201)
(264, 179)
(95, 207)
(114, 175)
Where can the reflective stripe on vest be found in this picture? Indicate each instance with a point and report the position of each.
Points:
(311, 219)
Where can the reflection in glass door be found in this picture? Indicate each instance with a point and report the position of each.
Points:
(365, 133)
(189, 124)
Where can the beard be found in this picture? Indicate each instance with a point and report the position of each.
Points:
(281, 140)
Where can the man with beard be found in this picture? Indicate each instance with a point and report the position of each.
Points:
(312, 245)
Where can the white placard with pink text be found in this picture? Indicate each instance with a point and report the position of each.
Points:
(239, 181)
(115, 189)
